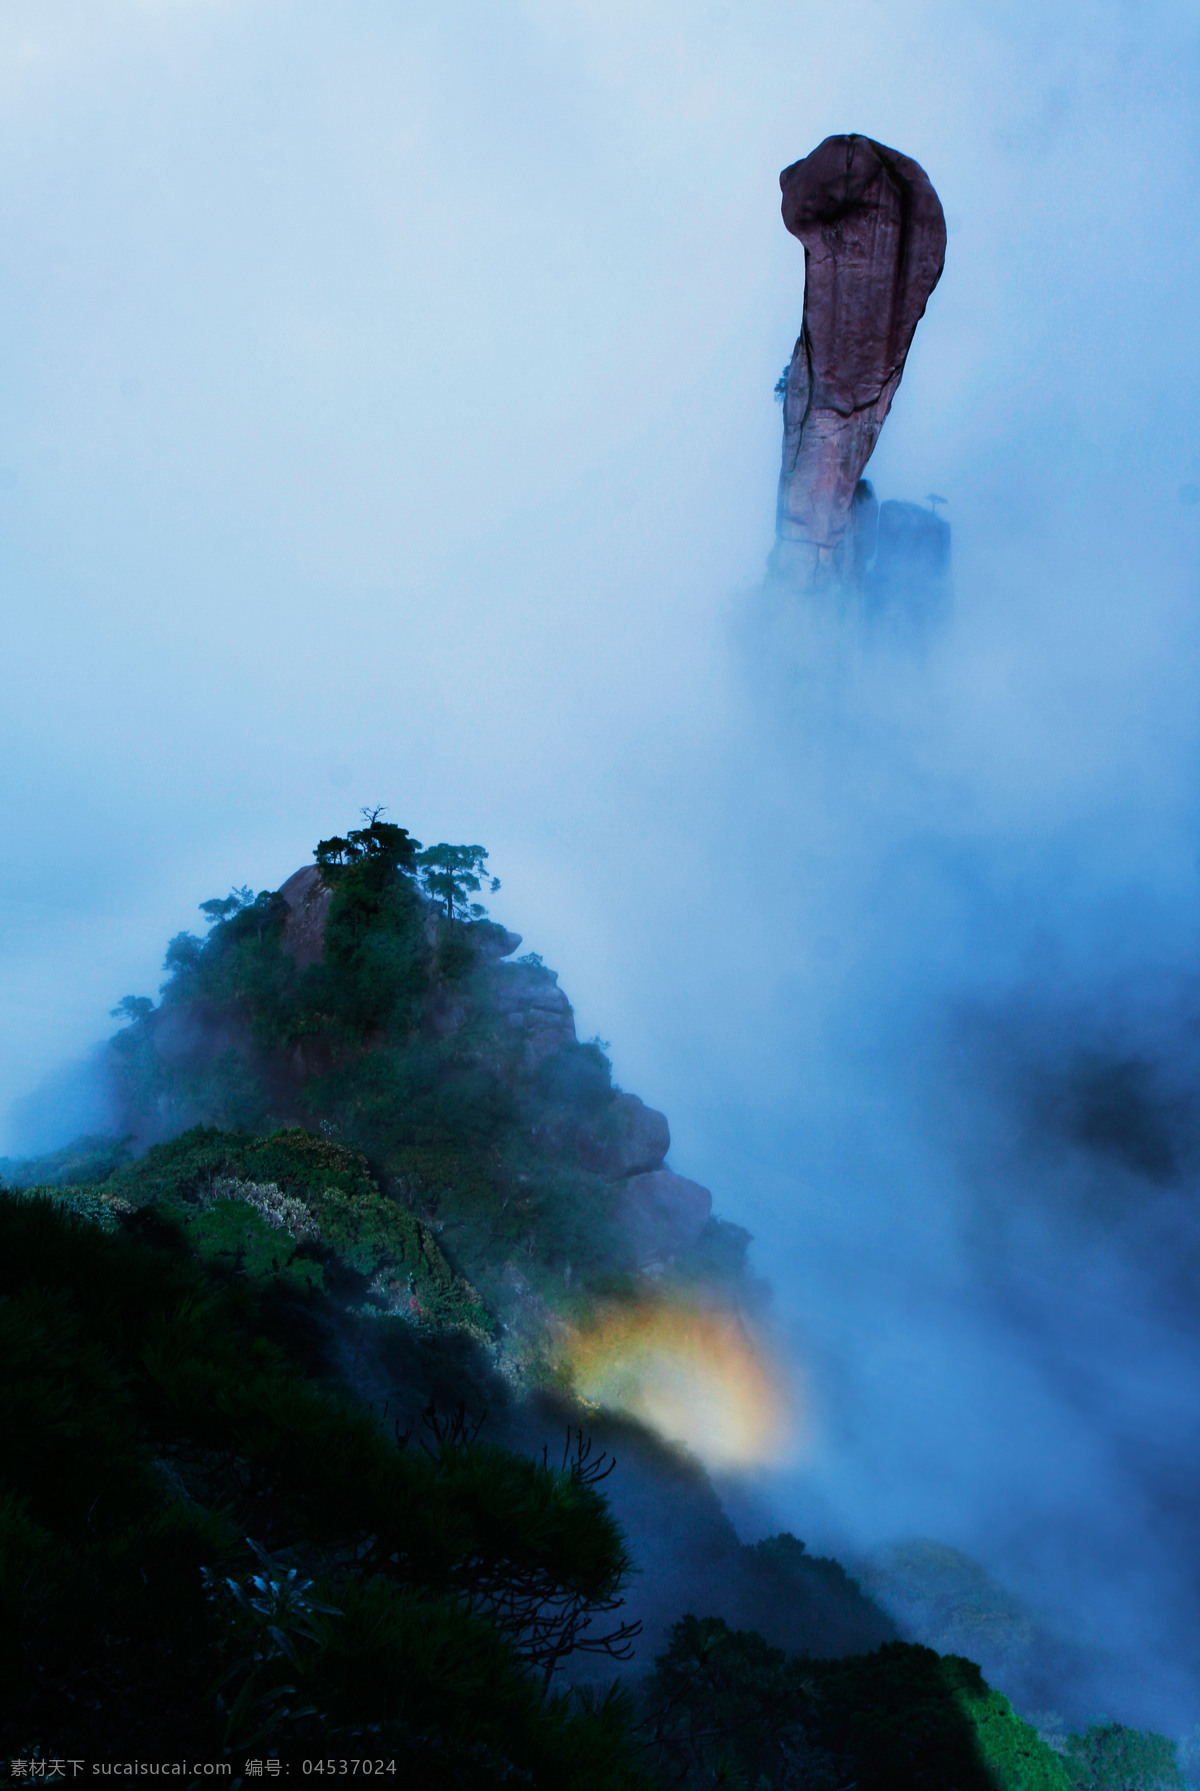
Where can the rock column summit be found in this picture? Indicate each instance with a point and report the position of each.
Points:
(874, 246)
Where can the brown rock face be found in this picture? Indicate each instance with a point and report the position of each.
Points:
(874, 245)
(308, 901)
(662, 1214)
(629, 1139)
(527, 998)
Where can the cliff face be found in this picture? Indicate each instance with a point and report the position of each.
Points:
(874, 246)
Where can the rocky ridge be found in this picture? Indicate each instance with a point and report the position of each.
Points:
(627, 1143)
(348, 1002)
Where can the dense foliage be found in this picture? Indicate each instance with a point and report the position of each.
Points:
(1111, 1757)
(398, 1594)
(726, 1709)
(298, 1206)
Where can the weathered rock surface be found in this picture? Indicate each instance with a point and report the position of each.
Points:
(308, 898)
(628, 1138)
(874, 245)
(493, 940)
(662, 1214)
(528, 999)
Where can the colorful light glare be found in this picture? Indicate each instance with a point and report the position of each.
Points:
(691, 1373)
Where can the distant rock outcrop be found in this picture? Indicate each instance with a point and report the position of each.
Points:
(911, 569)
(874, 245)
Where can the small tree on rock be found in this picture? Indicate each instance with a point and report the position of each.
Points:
(452, 874)
(381, 843)
(223, 908)
(133, 1008)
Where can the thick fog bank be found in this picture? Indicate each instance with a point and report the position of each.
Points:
(945, 1042)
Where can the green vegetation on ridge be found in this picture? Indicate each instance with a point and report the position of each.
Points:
(455, 1075)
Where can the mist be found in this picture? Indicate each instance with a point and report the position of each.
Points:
(385, 417)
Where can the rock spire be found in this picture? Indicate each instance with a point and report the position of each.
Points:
(874, 245)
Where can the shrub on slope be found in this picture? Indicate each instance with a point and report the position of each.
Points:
(150, 1429)
(723, 1707)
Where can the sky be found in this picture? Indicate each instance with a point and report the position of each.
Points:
(386, 418)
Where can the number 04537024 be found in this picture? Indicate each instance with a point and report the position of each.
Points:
(346, 1768)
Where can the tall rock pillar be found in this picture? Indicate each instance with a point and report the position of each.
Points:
(874, 245)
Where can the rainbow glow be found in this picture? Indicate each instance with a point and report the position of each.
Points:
(692, 1373)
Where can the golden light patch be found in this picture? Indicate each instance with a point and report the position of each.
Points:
(691, 1373)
